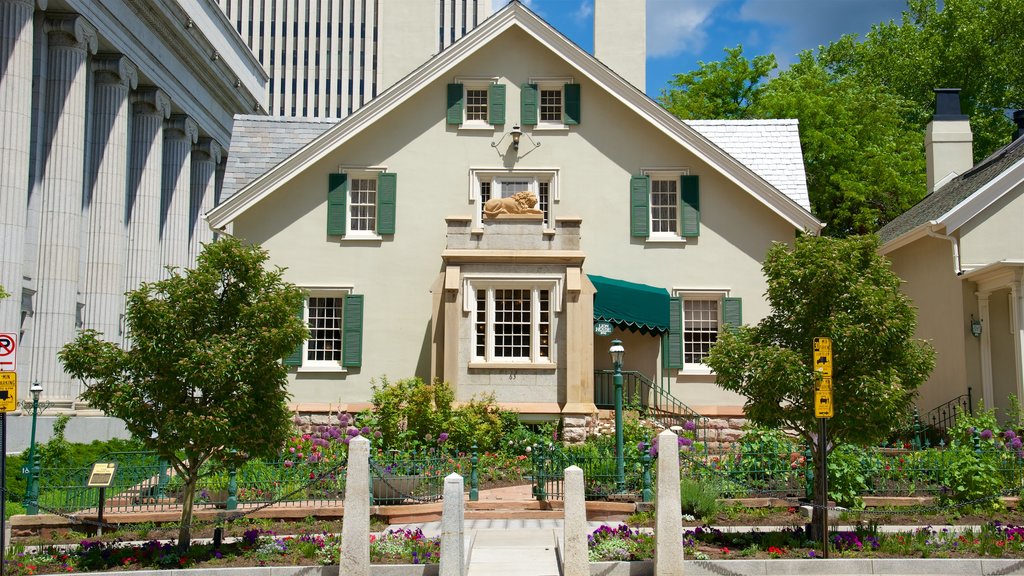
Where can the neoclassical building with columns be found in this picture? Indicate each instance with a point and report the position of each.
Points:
(116, 116)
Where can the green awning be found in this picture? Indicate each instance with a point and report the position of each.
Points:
(630, 305)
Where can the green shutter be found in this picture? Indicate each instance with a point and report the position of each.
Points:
(352, 331)
(337, 194)
(732, 313)
(689, 196)
(455, 95)
(571, 111)
(672, 342)
(528, 104)
(639, 206)
(496, 104)
(387, 184)
(295, 358)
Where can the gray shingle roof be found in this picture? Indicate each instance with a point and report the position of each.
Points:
(258, 143)
(955, 191)
(770, 148)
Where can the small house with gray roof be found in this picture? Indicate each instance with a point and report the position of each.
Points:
(960, 251)
(501, 214)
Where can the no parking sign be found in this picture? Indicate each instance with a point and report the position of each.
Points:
(8, 349)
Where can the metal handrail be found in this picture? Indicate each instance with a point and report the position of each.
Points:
(652, 398)
(944, 416)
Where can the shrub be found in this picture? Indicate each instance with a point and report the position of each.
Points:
(699, 499)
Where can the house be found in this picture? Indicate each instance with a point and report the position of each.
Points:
(960, 251)
(644, 228)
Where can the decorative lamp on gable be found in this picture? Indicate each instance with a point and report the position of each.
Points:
(516, 136)
(975, 326)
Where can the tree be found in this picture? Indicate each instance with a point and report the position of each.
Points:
(974, 45)
(3, 293)
(202, 380)
(725, 89)
(844, 290)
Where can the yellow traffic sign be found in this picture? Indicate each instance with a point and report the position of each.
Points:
(823, 384)
(823, 356)
(8, 391)
(823, 403)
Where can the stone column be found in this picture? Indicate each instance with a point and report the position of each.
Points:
(145, 163)
(108, 237)
(180, 133)
(668, 511)
(206, 156)
(70, 38)
(574, 528)
(16, 118)
(355, 531)
(453, 553)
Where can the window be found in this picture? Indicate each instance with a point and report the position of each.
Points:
(495, 184)
(476, 104)
(334, 317)
(513, 318)
(512, 325)
(695, 320)
(665, 205)
(361, 204)
(549, 103)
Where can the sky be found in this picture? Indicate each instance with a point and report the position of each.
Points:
(681, 33)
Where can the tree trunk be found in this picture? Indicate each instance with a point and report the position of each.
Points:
(187, 499)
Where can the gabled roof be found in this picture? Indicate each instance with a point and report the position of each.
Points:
(961, 199)
(515, 15)
(258, 143)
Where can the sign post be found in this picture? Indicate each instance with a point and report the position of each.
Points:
(101, 476)
(8, 403)
(823, 411)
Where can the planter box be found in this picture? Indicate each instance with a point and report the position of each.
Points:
(394, 489)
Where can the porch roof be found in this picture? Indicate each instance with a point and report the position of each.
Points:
(630, 305)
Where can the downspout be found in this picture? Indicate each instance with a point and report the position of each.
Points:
(957, 270)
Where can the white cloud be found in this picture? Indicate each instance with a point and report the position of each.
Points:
(677, 26)
(584, 12)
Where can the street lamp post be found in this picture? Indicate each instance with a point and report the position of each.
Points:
(32, 486)
(616, 352)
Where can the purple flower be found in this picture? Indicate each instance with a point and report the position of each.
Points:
(1015, 443)
(1009, 434)
(353, 432)
(442, 437)
(365, 430)
(684, 441)
(377, 434)
(690, 425)
(344, 419)
(297, 420)
(986, 434)
(640, 446)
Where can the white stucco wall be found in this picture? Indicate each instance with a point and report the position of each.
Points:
(996, 232)
(595, 161)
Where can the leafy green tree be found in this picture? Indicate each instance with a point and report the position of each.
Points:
(202, 380)
(3, 293)
(844, 290)
(974, 45)
(724, 89)
(864, 159)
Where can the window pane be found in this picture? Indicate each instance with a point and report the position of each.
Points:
(664, 205)
(700, 329)
(480, 325)
(550, 105)
(543, 199)
(476, 105)
(363, 205)
(544, 324)
(324, 318)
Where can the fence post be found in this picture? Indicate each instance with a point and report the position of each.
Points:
(232, 502)
(538, 473)
(808, 474)
(648, 494)
(474, 480)
(977, 441)
(917, 430)
(162, 480)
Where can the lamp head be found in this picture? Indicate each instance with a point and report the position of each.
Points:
(516, 134)
(36, 389)
(975, 327)
(617, 352)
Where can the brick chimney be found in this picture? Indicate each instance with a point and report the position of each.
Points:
(620, 38)
(947, 139)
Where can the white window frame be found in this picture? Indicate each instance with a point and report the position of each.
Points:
(660, 174)
(552, 283)
(324, 292)
(476, 83)
(361, 173)
(551, 84)
(478, 177)
(688, 295)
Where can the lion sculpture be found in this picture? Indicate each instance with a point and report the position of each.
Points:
(518, 203)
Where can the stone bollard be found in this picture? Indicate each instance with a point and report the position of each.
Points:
(668, 510)
(453, 554)
(355, 530)
(574, 528)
